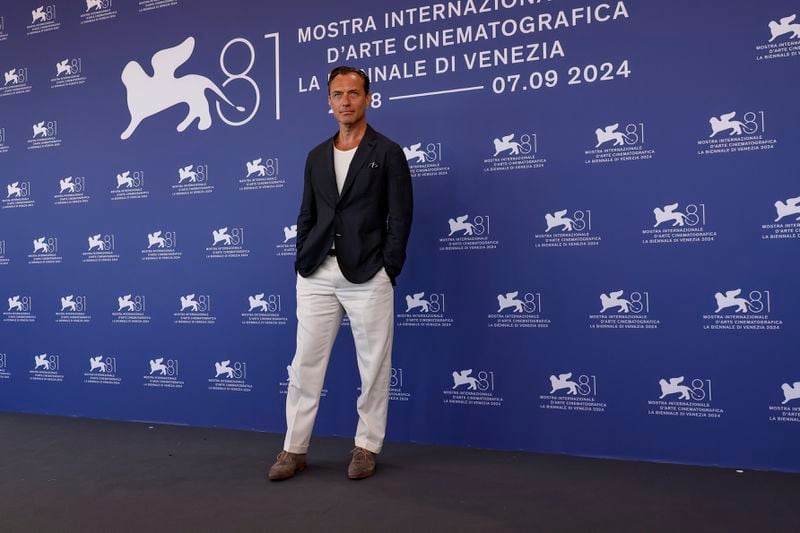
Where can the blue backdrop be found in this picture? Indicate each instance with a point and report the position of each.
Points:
(603, 258)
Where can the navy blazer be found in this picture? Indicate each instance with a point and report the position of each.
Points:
(370, 221)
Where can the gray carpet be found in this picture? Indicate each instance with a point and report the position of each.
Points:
(65, 474)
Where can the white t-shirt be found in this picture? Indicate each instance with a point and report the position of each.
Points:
(341, 164)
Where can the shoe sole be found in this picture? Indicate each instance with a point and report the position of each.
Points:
(361, 476)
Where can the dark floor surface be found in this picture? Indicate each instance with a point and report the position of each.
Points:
(78, 475)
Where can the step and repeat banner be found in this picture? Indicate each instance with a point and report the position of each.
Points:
(604, 254)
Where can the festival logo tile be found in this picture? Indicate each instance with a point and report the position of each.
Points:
(515, 152)
(425, 160)
(743, 310)
(130, 186)
(424, 311)
(101, 248)
(575, 394)
(264, 310)
(230, 377)
(150, 5)
(163, 373)
(786, 224)
(618, 311)
(131, 309)
(16, 80)
(4, 373)
(260, 174)
(789, 408)
(45, 135)
(397, 391)
(685, 398)
(45, 252)
(730, 134)
(4, 260)
(283, 386)
(618, 146)
(3, 32)
(195, 309)
(74, 310)
(397, 388)
(102, 370)
(71, 191)
(784, 39)
(472, 388)
(43, 19)
(676, 225)
(98, 11)
(227, 243)
(68, 72)
(20, 310)
(468, 235)
(193, 179)
(46, 367)
(18, 195)
(288, 247)
(162, 246)
(519, 309)
(4, 148)
(567, 229)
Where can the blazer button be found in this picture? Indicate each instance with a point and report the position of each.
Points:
(338, 234)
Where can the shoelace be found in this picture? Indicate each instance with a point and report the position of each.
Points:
(360, 454)
(284, 455)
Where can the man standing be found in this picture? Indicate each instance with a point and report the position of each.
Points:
(354, 222)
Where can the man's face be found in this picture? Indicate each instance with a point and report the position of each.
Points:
(347, 99)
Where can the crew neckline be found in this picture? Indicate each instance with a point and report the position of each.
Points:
(345, 151)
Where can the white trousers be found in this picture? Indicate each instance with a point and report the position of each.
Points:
(322, 300)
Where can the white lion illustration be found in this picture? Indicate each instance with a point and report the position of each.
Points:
(149, 95)
(463, 378)
(725, 122)
(413, 152)
(783, 27)
(506, 144)
(612, 300)
(673, 386)
(224, 368)
(563, 382)
(460, 224)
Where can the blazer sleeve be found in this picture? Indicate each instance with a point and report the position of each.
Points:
(401, 206)
(308, 208)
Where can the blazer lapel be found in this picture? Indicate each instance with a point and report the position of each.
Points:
(359, 160)
(329, 178)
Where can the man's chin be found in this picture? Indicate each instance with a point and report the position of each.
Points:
(347, 120)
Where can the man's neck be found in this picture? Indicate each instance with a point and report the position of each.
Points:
(350, 135)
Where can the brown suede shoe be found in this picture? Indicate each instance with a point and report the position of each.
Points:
(286, 465)
(362, 464)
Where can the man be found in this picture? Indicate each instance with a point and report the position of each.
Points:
(354, 222)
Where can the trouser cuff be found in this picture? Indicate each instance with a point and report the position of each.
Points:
(370, 446)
